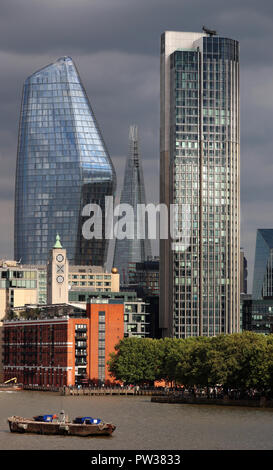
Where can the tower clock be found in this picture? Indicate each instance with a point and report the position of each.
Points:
(57, 275)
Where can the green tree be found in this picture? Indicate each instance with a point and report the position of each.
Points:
(136, 360)
(244, 356)
(268, 366)
(201, 363)
(240, 361)
(170, 351)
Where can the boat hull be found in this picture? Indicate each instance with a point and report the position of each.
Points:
(10, 388)
(23, 425)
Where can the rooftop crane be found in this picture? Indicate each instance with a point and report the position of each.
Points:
(210, 32)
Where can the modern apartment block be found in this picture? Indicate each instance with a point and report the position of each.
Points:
(137, 311)
(62, 165)
(200, 176)
(57, 351)
(133, 248)
(106, 329)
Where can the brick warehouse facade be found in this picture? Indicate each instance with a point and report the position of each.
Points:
(61, 351)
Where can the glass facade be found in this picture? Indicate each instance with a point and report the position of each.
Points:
(23, 279)
(263, 265)
(204, 184)
(145, 276)
(101, 346)
(62, 164)
(132, 249)
(257, 315)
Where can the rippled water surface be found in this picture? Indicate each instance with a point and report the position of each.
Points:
(140, 424)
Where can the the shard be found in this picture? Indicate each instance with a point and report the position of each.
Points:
(62, 165)
(135, 249)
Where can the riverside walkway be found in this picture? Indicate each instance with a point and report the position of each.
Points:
(261, 402)
(74, 391)
(77, 391)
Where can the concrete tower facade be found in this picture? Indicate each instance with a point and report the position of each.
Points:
(200, 174)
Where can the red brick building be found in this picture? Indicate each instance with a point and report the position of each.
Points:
(61, 351)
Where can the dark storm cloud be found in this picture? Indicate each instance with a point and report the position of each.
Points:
(33, 26)
(115, 45)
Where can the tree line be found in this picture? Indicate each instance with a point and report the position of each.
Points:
(240, 361)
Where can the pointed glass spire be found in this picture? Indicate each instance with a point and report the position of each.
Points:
(132, 250)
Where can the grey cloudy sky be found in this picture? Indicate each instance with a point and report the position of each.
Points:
(115, 45)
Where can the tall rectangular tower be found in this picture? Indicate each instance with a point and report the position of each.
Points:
(200, 176)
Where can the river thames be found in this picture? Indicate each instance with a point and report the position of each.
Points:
(140, 424)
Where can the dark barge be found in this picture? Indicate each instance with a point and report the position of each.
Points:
(52, 425)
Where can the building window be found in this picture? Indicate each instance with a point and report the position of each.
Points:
(101, 346)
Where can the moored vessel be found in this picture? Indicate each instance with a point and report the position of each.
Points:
(61, 425)
(10, 388)
(11, 385)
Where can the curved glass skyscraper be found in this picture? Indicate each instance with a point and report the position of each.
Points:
(62, 164)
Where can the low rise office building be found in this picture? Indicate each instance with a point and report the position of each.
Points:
(22, 285)
(19, 285)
